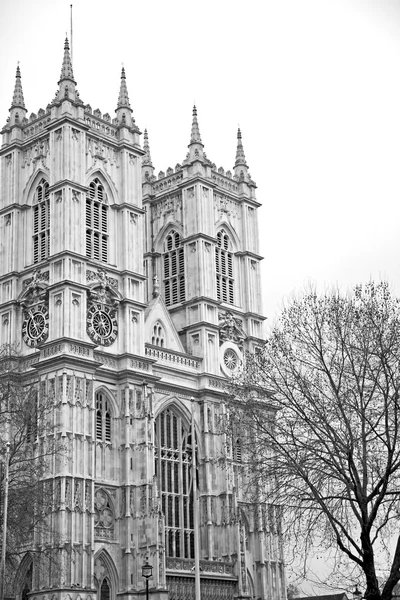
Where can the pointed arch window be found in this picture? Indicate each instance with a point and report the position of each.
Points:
(174, 472)
(103, 418)
(174, 269)
(224, 268)
(41, 222)
(96, 222)
(158, 335)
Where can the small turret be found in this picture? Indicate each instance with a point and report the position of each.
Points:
(147, 164)
(196, 147)
(241, 168)
(17, 109)
(124, 110)
(67, 84)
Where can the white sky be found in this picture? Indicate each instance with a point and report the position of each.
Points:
(313, 84)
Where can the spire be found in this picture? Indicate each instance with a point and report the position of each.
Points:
(18, 96)
(195, 134)
(240, 157)
(196, 146)
(66, 69)
(123, 98)
(146, 160)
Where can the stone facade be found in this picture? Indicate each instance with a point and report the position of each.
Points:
(133, 297)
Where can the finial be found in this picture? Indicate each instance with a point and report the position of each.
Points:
(123, 98)
(195, 134)
(66, 69)
(146, 160)
(18, 96)
(240, 157)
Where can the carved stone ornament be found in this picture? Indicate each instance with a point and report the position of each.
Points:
(103, 302)
(230, 329)
(35, 305)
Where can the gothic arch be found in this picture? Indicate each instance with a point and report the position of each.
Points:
(159, 338)
(231, 233)
(33, 181)
(177, 405)
(22, 575)
(114, 406)
(107, 182)
(183, 411)
(164, 231)
(104, 568)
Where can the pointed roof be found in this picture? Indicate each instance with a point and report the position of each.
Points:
(146, 160)
(195, 133)
(18, 96)
(240, 157)
(123, 98)
(66, 69)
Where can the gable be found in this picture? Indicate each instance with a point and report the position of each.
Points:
(159, 328)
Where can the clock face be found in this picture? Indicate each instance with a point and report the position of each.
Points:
(35, 326)
(102, 324)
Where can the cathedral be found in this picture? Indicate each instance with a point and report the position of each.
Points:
(133, 297)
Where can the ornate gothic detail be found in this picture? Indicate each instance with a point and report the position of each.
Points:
(104, 516)
(34, 302)
(101, 276)
(230, 329)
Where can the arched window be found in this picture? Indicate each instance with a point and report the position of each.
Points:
(174, 471)
(224, 268)
(158, 337)
(103, 418)
(41, 222)
(174, 269)
(96, 222)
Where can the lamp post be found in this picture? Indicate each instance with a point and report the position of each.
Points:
(357, 594)
(5, 509)
(147, 572)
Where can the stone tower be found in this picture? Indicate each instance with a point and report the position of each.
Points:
(133, 298)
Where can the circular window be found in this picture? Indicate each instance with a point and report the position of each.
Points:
(230, 359)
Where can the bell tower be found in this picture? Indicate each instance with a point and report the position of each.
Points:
(133, 298)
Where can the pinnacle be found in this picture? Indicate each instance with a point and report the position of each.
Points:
(66, 69)
(240, 156)
(18, 96)
(195, 134)
(123, 98)
(146, 160)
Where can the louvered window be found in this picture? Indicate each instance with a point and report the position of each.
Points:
(174, 269)
(174, 472)
(103, 418)
(224, 268)
(96, 222)
(41, 222)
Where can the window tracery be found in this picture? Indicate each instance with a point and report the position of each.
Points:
(103, 418)
(158, 337)
(174, 269)
(41, 222)
(224, 268)
(103, 516)
(96, 222)
(174, 471)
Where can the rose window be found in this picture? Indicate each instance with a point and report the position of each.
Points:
(230, 359)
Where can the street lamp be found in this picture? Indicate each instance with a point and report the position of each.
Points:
(147, 572)
(357, 594)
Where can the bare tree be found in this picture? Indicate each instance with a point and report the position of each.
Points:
(27, 424)
(321, 405)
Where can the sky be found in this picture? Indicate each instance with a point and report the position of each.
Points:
(313, 84)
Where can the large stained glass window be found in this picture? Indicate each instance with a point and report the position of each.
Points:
(174, 471)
